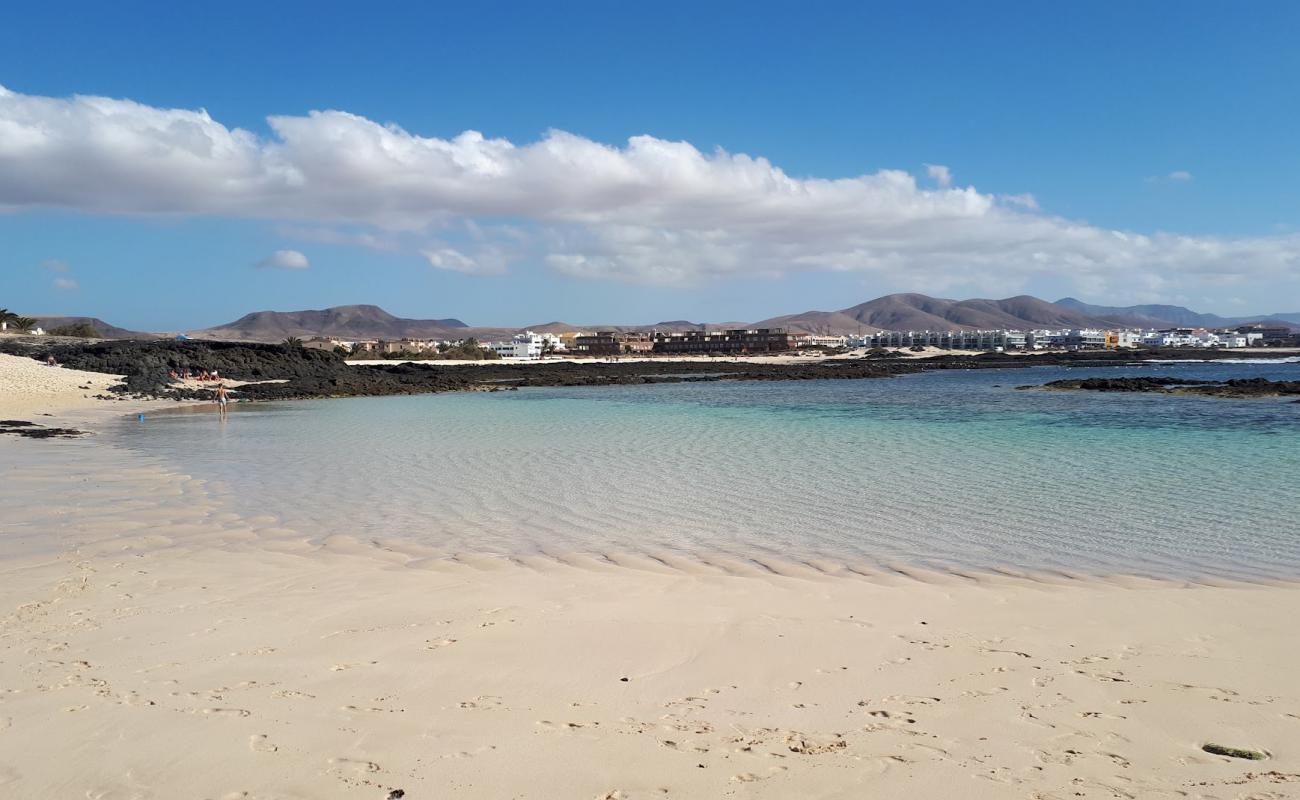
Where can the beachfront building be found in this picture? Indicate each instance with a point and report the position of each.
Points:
(528, 345)
(952, 340)
(325, 343)
(1266, 336)
(760, 340)
(1081, 339)
(1128, 339)
(1197, 337)
(613, 343)
(638, 343)
(600, 343)
(819, 340)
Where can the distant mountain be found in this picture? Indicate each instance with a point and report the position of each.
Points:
(346, 322)
(891, 312)
(916, 312)
(105, 330)
(1177, 316)
(672, 326)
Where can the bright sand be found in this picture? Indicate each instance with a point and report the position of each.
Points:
(154, 645)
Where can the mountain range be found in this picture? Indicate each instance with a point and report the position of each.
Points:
(1176, 315)
(891, 312)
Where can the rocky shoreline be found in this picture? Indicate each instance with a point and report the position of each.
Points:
(279, 372)
(1235, 388)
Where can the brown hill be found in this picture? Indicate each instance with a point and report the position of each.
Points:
(349, 322)
(105, 330)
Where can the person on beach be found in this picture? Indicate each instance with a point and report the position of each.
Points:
(50, 362)
(223, 397)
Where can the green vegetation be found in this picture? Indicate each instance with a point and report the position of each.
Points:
(82, 330)
(15, 322)
(1234, 752)
(292, 342)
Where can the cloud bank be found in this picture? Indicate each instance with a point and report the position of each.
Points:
(650, 211)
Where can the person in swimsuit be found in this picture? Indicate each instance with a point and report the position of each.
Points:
(223, 397)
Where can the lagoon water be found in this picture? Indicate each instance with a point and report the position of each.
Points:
(952, 470)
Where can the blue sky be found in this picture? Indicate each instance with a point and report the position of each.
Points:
(1157, 141)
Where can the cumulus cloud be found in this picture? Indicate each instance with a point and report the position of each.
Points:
(65, 284)
(939, 174)
(285, 259)
(649, 211)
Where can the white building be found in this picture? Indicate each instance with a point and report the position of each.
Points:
(817, 340)
(527, 345)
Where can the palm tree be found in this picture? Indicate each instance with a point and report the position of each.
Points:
(7, 316)
(292, 342)
(22, 324)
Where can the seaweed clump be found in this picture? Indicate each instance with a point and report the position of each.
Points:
(1233, 752)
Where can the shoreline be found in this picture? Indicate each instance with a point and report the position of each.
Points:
(162, 646)
(273, 372)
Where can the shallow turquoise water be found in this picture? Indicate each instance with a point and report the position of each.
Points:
(947, 469)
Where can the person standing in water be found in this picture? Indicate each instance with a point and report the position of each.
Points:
(223, 397)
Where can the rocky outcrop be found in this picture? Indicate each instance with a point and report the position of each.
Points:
(1237, 387)
(280, 372)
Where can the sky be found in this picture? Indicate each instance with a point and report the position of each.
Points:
(171, 168)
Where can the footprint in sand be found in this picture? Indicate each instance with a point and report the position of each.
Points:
(352, 765)
(487, 748)
(352, 665)
(814, 745)
(436, 644)
(564, 727)
(484, 702)
(224, 712)
(259, 743)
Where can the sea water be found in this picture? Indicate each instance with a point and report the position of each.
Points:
(947, 469)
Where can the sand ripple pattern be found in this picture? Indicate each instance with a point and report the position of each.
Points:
(953, 470)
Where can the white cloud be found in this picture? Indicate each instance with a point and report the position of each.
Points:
(383, 242)
(1025, 200)
(939, 174)
(650, 211)
(54, 265)
(285, 259)
(1177, 176)
(486, 261)
(65, 284)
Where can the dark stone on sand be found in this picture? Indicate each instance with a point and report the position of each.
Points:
(31, 430)
(397, 794)
(1233, 752)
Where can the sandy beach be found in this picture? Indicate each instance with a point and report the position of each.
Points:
(154, 644)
